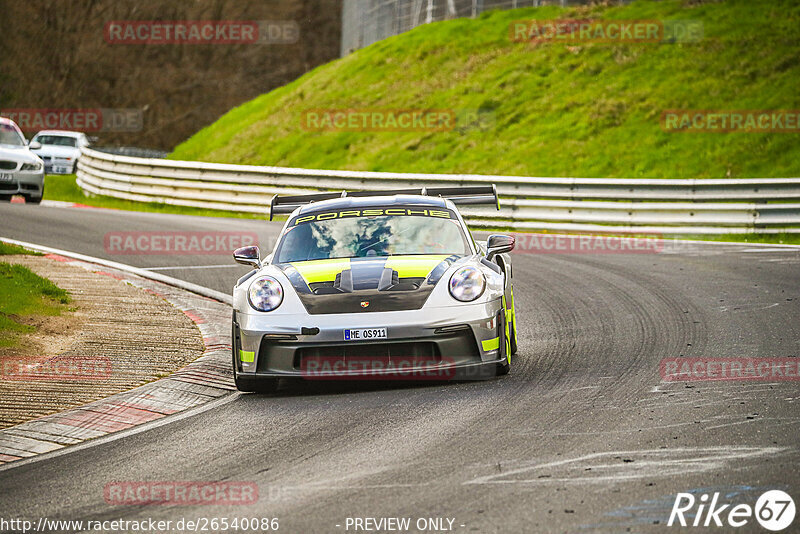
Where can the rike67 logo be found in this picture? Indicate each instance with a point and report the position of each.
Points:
(774, 510)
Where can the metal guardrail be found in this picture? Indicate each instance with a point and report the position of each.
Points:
(679, 206)
(134, 151)
(367, 21)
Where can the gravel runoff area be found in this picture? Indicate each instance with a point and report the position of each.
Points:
(104, 370)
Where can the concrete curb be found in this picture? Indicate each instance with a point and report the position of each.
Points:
(204, 380)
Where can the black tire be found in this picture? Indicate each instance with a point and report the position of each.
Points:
(259, 385)
(249, 385)
(5, 198)
(504, 366)
(514, 335)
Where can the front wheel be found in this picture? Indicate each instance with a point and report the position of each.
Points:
(505, 343)
(503, 368)
(247, 384)
(256, 385)
(253, 385)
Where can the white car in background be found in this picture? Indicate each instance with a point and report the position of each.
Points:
(21, 171)
(60, 150)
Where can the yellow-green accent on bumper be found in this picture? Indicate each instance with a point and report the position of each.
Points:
(247, 356)
(491, 344)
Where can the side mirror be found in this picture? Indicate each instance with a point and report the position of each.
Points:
(248, 256)
(499, 244)
(34, 145)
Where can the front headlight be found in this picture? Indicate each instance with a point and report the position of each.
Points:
(265, 294)
(467, 284)
(31, 167)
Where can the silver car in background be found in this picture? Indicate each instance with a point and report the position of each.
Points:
(21, 171)
(60, 150)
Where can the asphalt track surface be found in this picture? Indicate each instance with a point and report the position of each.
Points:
(582, 435)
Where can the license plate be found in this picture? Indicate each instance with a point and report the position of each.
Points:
(5, 177)
(364, 334)
(60, 170)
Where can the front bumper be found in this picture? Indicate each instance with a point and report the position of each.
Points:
(452, 342)
(58, 165)
(22, 183)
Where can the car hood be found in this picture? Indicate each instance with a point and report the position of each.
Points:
(58, 151)
(17, 153)
(371, 284)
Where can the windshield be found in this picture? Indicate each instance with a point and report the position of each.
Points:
(10, 136)
(57, 140)
(380, 235)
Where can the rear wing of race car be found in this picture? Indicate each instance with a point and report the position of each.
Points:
(464, 195)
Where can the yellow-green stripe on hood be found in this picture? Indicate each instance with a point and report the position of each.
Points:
(315, 271)
(372, 283)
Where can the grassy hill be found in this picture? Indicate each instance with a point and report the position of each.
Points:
(587, 109)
